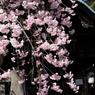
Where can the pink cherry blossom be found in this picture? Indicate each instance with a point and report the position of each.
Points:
(54, 5)
(49, 58)
(55, 77)
(5, 74)
(16, 30)
(66, 21)
(53, 47)
(38, 63)
(47, 19)
(23, 63)
(69, 10)
(73, 1)
(75, 5)
(3, 17)
(21, 81)
(29, 21)
(62, 52)
(22, 54)
(59, 1)
(45, 46)
(35, 33)
(15, 43)
(56, 88)
(13, 59)
(4, 28)
(30, 5)
(44, 76)
(72, 31)
(73, 85)
(68, 75)
(12, 17)
(51, 1)
(18, 12)
(1, 11)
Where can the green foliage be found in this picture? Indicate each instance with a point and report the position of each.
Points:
(93, 5)
(89, 2)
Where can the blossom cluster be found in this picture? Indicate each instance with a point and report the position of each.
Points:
(5, 75)
(45, 25)
(71, 82)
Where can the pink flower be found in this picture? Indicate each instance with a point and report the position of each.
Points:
(56, 88)
(41, 14)
(69, 10)
(49, 58)
(60, 63)
(59, 1)
(21, 73)
(51, 1)
(12, 17)
(33, 83)
(14, 4)
(54, 5)
(15, 43)
(22, 54)
(73, 85)
(34, 53)
(16, 30)
(52, 31)
(61, 52)
(23, 63)
(53, 47)
(66, 62)
(1, 11)
(73, 1)
(47, 19)
(55, 62)
(1, 50)
(28, 22)
(45, 46)
(6, 74)
(13, 59)
(66, 21)
(68, 75)
(38, 21)
(39, 42)
(21, 81)
(75, 5)
(38, 63)
(4, 28)
(3, 44)
(44, 36)
(72, 31)
(3, 17)
(18, 12)
(55, 77)
(53, 23)
(30, 4)
(61, 34)
(44, 76)
(37, 32)
(44, 90)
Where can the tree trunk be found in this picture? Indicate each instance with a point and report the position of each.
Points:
(16, 89)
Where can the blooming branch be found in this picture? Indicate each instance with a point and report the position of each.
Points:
(45, 25)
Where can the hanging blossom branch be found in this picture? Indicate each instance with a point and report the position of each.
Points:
(46, 26)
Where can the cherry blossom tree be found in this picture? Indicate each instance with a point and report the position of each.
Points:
(44, 26)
